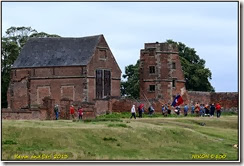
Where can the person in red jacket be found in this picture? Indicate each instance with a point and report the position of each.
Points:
(72, 112)
(80, 111)
(218, 109)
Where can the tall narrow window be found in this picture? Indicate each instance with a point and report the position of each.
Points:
(173, 65)
(103, 83)
(99, 84)
(173, 83)
(151, 69)
(152, 88)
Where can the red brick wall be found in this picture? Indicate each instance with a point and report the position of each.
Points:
(200, 97)
(228, 100)
(59, 88)
(24, 115)
(101, 107)
(99, 62)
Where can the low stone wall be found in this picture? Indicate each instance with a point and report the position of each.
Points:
(125, 105)
(39, 114)
(88, 109)
(102, 107)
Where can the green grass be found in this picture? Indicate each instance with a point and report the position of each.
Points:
(157, 138)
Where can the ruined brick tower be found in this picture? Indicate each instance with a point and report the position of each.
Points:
(161, 75)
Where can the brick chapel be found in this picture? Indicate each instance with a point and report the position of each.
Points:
(80, 69)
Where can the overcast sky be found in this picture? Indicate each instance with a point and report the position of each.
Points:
(209, 27)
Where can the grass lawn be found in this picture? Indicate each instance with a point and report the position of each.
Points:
(112, 138)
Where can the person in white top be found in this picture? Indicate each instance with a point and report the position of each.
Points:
(133, 112)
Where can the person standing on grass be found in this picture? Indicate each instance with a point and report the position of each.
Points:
(206, 110)
(186, 109)
(212, 110)
(72, 112)
(177, 110)
(218, 109)
(197, 109)
(163, 109)
(140, 109)
(169, 109)
(56, 111)
(201, 110)
(151, 110)
(80, 112)
(192, 109)
(133, 112)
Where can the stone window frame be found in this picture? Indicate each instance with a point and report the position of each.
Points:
(174, 83)
(103, 69)
(153, 69)
(173, 65)
(152, 88)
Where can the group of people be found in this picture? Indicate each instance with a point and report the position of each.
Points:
(72, 112)
(197, 109)
(204, 109)
(151, 110)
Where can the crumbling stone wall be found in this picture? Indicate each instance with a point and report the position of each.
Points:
(34, 114)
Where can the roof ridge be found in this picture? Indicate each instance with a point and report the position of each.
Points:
(67, 37)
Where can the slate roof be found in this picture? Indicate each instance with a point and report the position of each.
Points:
(47, 52)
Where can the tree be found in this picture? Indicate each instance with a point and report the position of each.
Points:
(131, 86)
(196, 75)
(12, 43)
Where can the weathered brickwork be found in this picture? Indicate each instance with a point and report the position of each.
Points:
(228, 100)
(199, 97)
(161, 75)
(30, 85)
